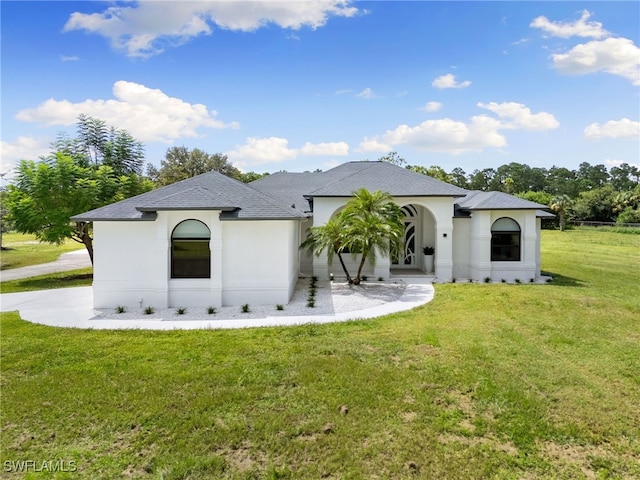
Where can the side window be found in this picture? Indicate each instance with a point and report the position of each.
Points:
(190, 252)
(505, 240)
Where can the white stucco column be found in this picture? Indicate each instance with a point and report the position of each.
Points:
(480, 255)
(215, 244)
(538, 242)
(444, 249)
(160, 272)
(530, 247)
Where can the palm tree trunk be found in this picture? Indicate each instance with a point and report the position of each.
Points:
(356, 281)
(344, 267)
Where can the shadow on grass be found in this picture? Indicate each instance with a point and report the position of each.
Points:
(73, 278)
(563, 281)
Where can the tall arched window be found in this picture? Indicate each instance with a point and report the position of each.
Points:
(505, 240)
(190, 253)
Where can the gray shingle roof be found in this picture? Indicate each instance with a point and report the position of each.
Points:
(343, 180)
(209, 191)
(397, 181)
(284, 195)
(477, 200)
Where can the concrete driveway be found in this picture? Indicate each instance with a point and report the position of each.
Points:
(67, 261)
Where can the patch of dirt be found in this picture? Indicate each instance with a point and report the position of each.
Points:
(409, 416)
(489, 441)
(578, 455)
(241, 458)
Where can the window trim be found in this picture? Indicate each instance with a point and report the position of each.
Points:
(203, 269)
(506, 251)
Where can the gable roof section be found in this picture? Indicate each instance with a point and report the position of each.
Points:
(343, 180)
(478, 200)
(209, 191)
(397, 181)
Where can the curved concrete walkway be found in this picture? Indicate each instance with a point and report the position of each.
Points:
(73, 307)
(66, 261)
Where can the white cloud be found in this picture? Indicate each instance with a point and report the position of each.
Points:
(623, 128)
(617, 56)
(150, 115)
(449, 81)
(328, 148)
(141, 30)
(519, 116)
(432, 106)
(616, 163)
(579, 28)
(343, 91)
(367, 93)
(444, 135)
(71, 58)
(374, 145)
(24, 147)
(452, 136)
(258, 151)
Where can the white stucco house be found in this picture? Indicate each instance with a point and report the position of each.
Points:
(213, 241)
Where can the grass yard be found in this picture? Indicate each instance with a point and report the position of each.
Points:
(82, 277)
(25, 250)
(487, 381)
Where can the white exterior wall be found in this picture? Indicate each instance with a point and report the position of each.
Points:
(126, 270)
(525, 269)
(461, 247)
(259, 261)
(481, 265)
(253, 262)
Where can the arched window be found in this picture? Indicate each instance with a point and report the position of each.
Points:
(190, 253)
(505, 240)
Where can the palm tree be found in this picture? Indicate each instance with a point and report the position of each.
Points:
(372, 223)
(561, 204)
(330, 237)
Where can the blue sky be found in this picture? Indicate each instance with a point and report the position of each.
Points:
(303, 85)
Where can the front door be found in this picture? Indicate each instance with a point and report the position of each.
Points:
(408, 255)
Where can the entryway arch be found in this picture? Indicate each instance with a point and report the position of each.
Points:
(419, 232)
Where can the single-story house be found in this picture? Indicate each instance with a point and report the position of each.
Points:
(213, 241)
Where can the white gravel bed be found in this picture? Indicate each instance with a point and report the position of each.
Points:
(330, 298)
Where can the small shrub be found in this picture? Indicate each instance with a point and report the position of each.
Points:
(121, 309)
(531, 280)
(365, 278)
(471, 280)
(503, 281)
(314, 279)
(211, 310)
(453, 280)
(487, 279)
(311, 303)
(518, 280)
(380, 279)
(149, 310)
(245, 308)
(181, 310)
(279, 307)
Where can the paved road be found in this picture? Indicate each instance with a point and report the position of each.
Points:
(66, 261)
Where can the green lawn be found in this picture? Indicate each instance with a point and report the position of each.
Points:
(487, 381)
(25, 250)
(82, 277)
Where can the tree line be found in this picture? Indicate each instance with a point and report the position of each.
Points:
(588, 193)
